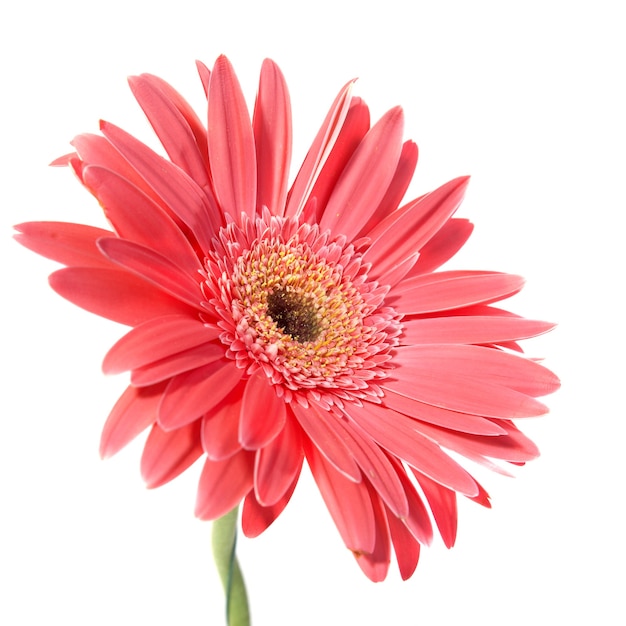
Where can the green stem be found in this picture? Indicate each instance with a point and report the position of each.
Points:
(224, 541)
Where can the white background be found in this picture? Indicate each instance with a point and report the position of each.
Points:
(528, 98)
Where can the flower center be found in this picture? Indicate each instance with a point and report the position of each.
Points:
(298, 304)
(294, 314)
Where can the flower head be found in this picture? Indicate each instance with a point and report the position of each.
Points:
(273, 325)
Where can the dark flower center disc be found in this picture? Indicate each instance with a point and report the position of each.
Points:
(294, 314)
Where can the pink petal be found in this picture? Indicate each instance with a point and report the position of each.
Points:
(179, 193)
(262, 413)
(367, 176)
(156, 339)
(272, 137)
(278, 464)
(98, 151)
(146, 224)
(375, 564)
(166, 455)
(177, 364)
(446, 291)
(354, 129)
(205, 75)
(442, 502)
(399, 271)
(376, 467)
(190, 395)
(400, 396)
(443, 245)
(407, 549)
(176, 125)
(231, 143)
(318, 153)
(514, 447)
(256, 518)
(349, 503)
(64, 160)
(154, 267)
(482, 498)
(330, 438)
(405, 231)
(467, 395)
(417, 521)
(186, 110)
(477, 362)
(220, 428)
(115, 294)
(397, 188)
(396, 433)
(223, 484)
(70, 244)
(135, 410)
(471, 329)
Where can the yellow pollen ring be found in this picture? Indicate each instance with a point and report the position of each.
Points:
(309, 297)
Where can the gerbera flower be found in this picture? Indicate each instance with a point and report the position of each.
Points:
(273, 325)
